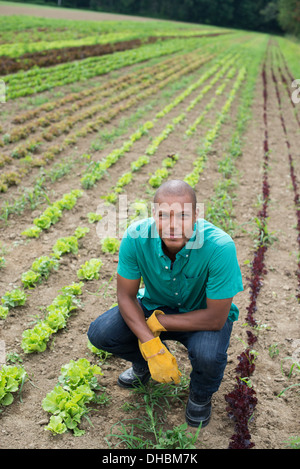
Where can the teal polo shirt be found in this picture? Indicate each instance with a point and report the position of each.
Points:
(206, 267)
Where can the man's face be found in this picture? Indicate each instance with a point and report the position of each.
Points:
(175, 218)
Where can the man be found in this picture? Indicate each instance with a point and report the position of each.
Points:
(190, 271)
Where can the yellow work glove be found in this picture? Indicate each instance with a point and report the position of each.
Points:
(162, 364)
(153, 323)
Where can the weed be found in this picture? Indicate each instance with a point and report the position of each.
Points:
(293, 442)
(273, 350)
(148, 429)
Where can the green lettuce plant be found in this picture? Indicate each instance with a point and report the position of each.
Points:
(3, 312)
(16, 297)
(65, 245)
(67, 402)
(12, 379)
(110, 245)
(90, 269)
(57, 314)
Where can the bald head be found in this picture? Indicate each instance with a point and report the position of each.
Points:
(175, 188)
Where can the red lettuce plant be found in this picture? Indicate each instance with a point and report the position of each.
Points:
(242, 401)
(241, 404)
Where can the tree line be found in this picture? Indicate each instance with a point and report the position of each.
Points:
(275, 16)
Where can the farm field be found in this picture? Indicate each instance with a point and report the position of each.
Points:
(96, 115)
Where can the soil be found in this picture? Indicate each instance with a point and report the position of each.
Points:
(276, 419)
(66, 13)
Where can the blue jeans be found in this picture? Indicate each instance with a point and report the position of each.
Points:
(207, 350)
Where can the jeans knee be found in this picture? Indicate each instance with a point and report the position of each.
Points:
(207, 359)
(96, 335)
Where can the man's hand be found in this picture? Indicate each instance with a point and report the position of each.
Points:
(162, 364)
(153, 323)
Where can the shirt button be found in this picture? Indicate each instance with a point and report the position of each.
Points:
(174, 279)
(179, 304)
(166, 267)
(176, 293)
(186, 255)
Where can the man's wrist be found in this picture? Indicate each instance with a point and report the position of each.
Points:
(161, 318)
(145, 336)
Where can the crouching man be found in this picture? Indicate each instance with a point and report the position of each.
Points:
(191, 274)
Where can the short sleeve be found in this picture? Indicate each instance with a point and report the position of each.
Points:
(224, 274)
(128, 265)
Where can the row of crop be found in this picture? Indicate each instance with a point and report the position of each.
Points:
(230, 74)
(44, 265)
(57, 129)
(193, 177)
(40, 270)
(58, 312)
(68, 401)
(286, 81)
(27, 29)
(97, 169)
(74, 48)
(132, 85)
(162, 173)
(31, 197)
(106, 87)
(38, 80)
(53, 213)
(38, 49)
(287, 88)
(242, 400)
(292, 175)
(88, 68)
(14, 178)
(220, 206)
(56, 316)
(71, 54)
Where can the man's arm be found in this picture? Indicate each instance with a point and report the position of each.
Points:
(212, 318)
(130, 308)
